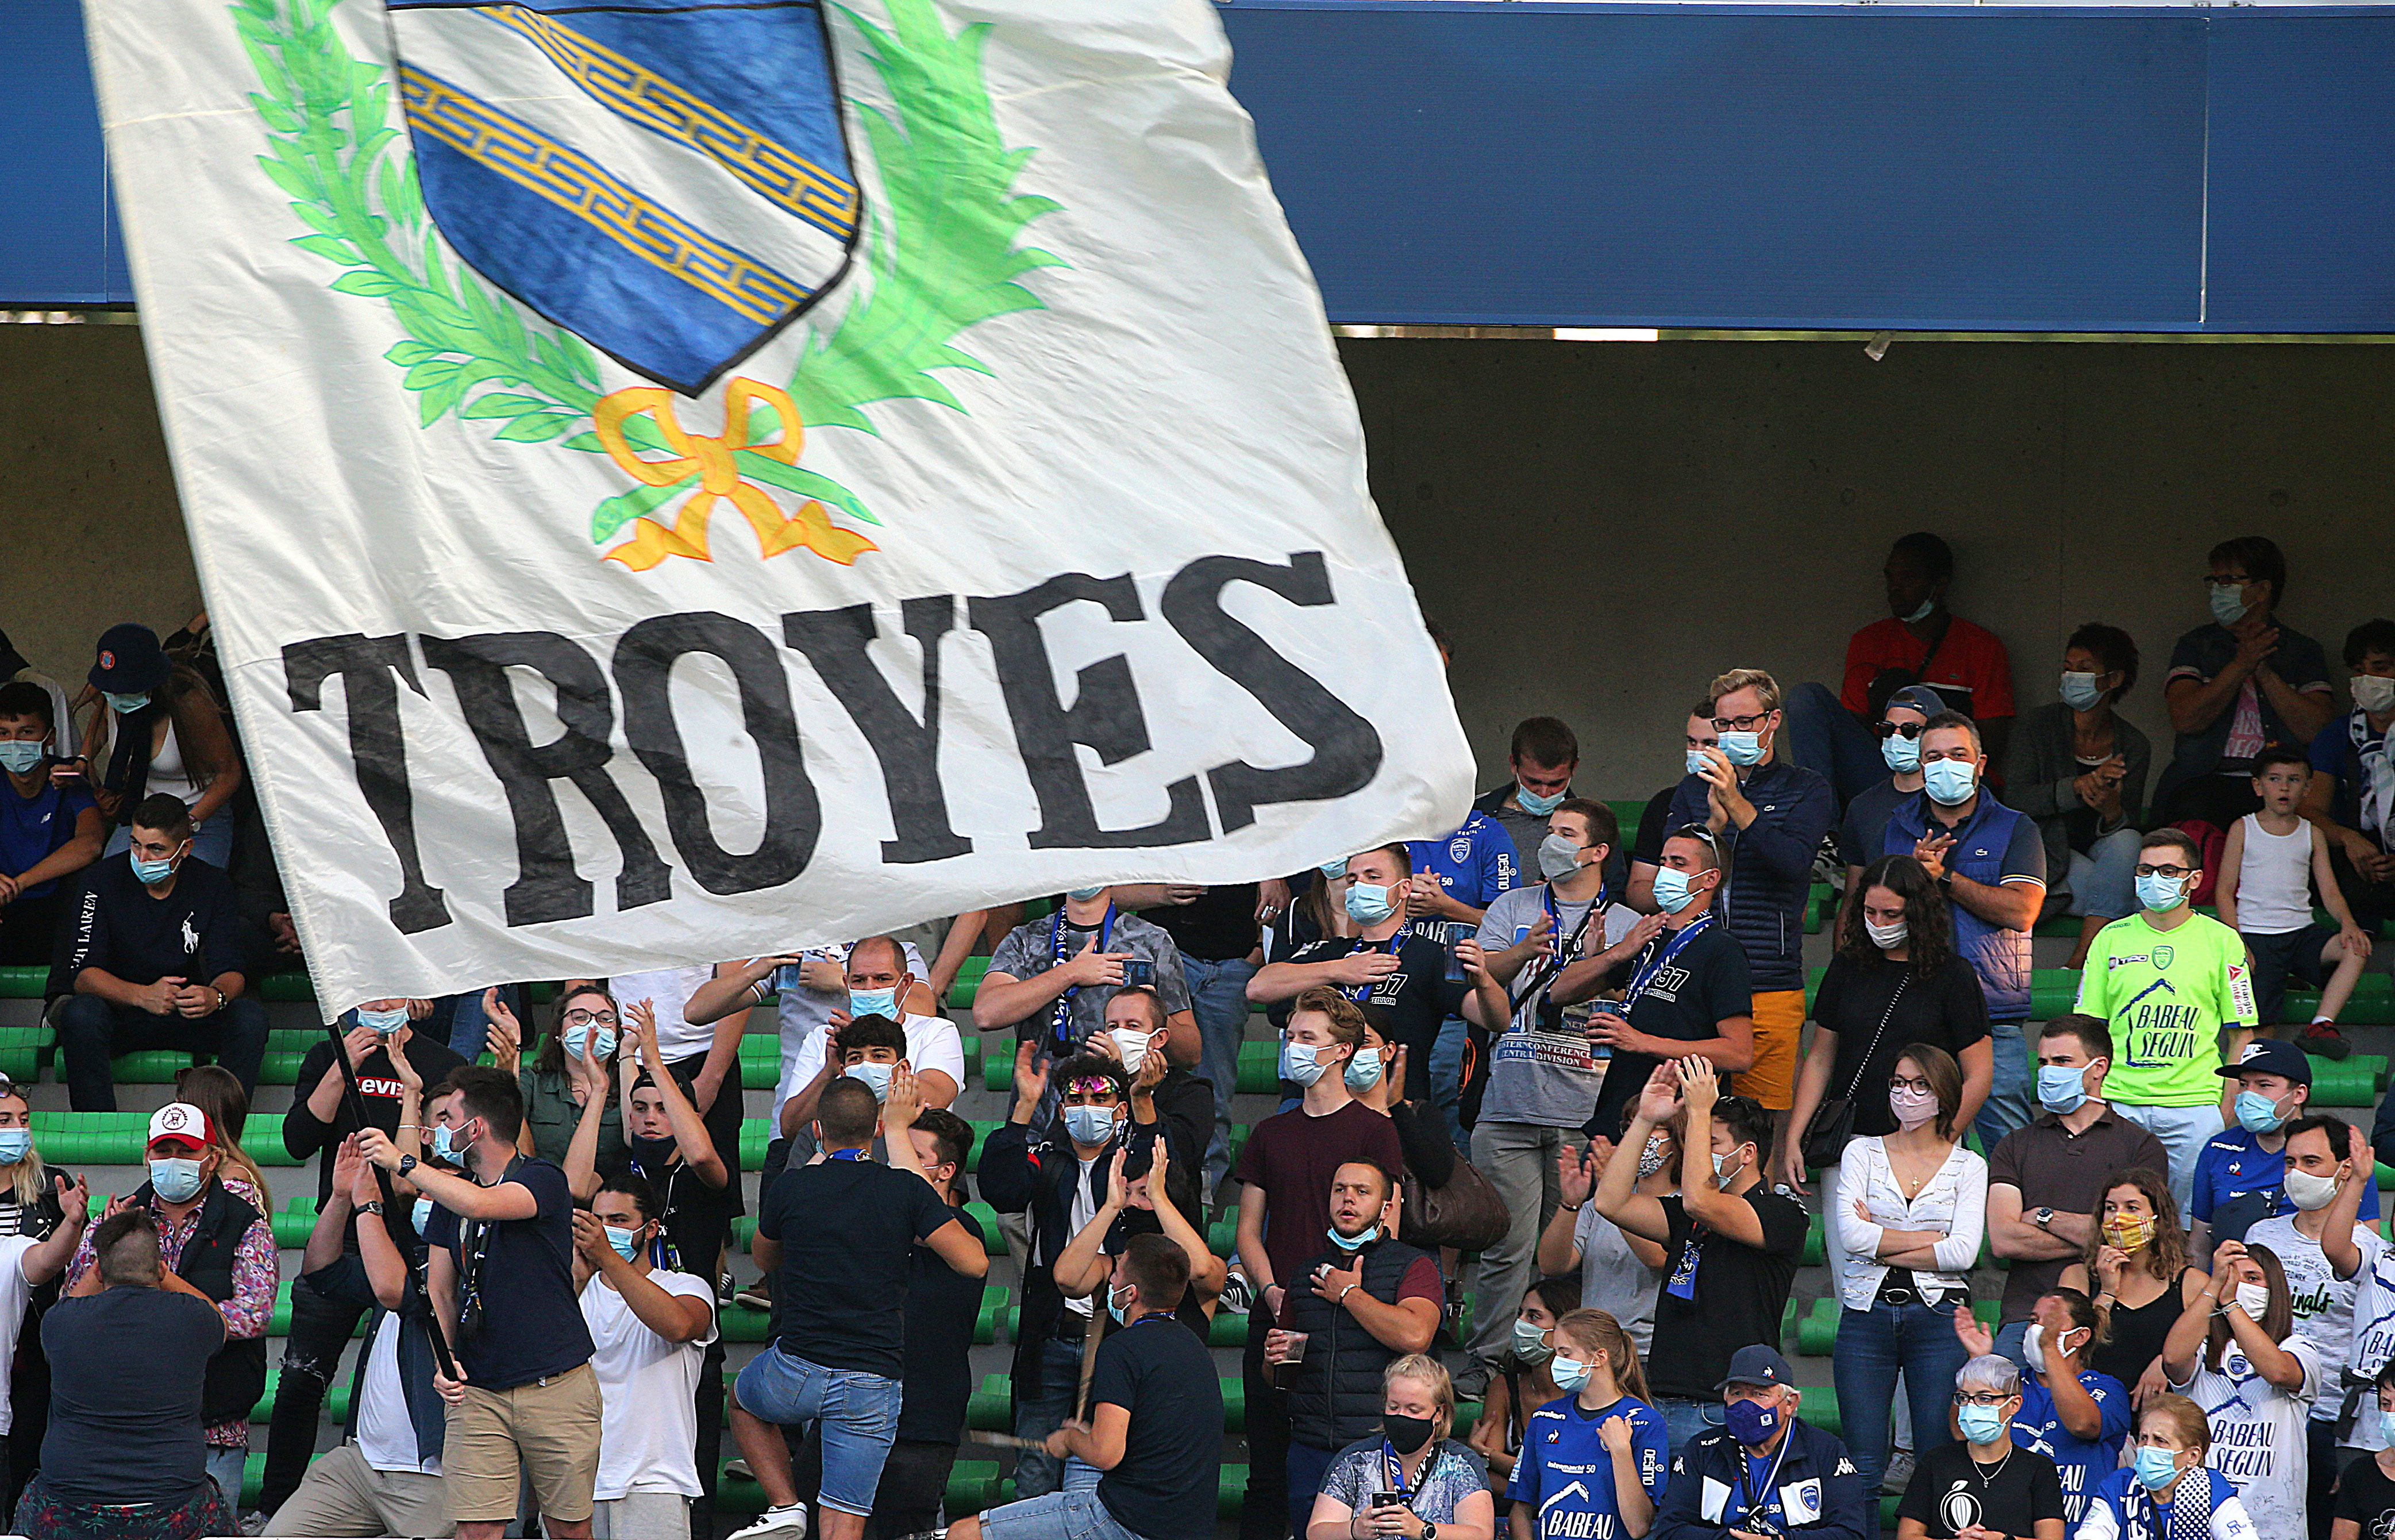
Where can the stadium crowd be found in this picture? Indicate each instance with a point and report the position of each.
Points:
(1569, 1068)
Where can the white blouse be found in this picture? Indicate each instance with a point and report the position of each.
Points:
(1954, 1202)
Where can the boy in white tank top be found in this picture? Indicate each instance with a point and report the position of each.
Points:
(2273, 860)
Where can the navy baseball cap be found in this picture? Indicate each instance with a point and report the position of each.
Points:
(1757, 1365)
(130, 660)
(2271, 1056)
(1917, 698)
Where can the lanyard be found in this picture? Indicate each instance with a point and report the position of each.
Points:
(1756, 1500)
(1394, 946)
(1561, 949)
(845, 1155)
(1060, 1031)
(1644, 979)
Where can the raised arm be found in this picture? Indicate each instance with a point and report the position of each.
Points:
(690, 1134)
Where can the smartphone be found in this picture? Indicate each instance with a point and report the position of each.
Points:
(1138, 973)
(1456, 937)
(1388, 1499)
(65, 773)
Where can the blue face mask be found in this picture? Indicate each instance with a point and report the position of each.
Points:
(1089, 1125)
(384, 1022)
(627, 1242)
(1333, 870)
(2158, 894)
(1083, 895)
(602, 1046)
(1902, 754)
(1534, 805)
(2257, 1113)
(1980, 1425)
(1368, 905)
(2061, 1088)
(175, 1181)
(126, 705)
(1569, 1374)
(1697, 761)
(1750, 1424)
(865, 1003)
(21, 756)
(1300, 1062)
(1672, 890)
(2080, 691)
(1949, 782)
(2228, 607)
(1114, 1308)
(876, 1076)
(422, 1213)
(1742, 748)
(15, 1145)
(152, 874)
(1364, 1070)
(445, 1146)
(2156, 1467)
(1355, 1242)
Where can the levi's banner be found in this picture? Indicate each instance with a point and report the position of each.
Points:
(674, 480)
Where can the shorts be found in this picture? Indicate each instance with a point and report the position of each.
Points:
(855, 1414)
(2288, 954)
(1779, 1024)
(44, 1516)
(552, 1425)
(1058, 1516)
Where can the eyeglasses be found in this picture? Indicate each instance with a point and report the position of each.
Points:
(1899, 1083)
(584, 1018)
(1907, 730)
(2224, 580)
(1740, 725)
(1983, 1398)
(2173, 871)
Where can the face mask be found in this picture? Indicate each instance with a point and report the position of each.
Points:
(383, 1022)
(1364, 1071)
(1368, 905)
(1534, 805)
(2309, 1192)
(2386, 1426)
(1132, 1046)
(1672, 890)
(1115, 1308)
(1911, 1107)
(1697, 761)
(1333, 870)
(865, 1003)
(1300, 1062)
(1650, 1160)
(2373, 692)
(2253, 1299)
(2080, 692)
(1949, 782)
(152, 872)
(1980, 1425)
(1083, 895)
(1558, 857)
(2156, 1467)
(445, 1146)
(2129, 1231)
(2033, 1348)
(126, 705)
(626, 1242)
(1406, 1434)
(1888, 938)
(2061, 1088)
(1742, 748)
(2159, 893)
(2257, 1113)
(15, 1145)
(1922, 614)
(1355, 1242)
(1903, 754)
(1530, 1344)
(2229, 605)
(175, 1181)
(422, 1213)
(602, 1046)
(1089, 1125)
(1750, 1424)
(876, 1076)
(20, 755)
(1569, 1374)
(1726, 1169)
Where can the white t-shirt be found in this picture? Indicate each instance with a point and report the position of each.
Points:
(2374, 1342)
(667, 991)
(1612, 1277)
(2259, 1435)
(1084, 1209)
(932, 1042)
(15, 1294)
(2324, 1302)
(804, 1012)
(648, 1386)
(386, 1433)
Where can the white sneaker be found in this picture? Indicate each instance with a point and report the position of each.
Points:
(777, 1524)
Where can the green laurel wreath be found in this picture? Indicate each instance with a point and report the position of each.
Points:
(939, 248)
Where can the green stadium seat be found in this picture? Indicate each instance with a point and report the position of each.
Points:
(1228, 1331)
(969, 977)
(1222, 1235)
(1820, 1407)
(1235, 1404)
(972, 1040)
(992, 1407)
(23, 983)
(1259, 1068)
(994, 1308)
(993, 1242)
(742, 1324)
(280, 1324)
(1231, 1491)
(972, 1486)
(1816, 1242)
(2344, 1084)
(20, 1051)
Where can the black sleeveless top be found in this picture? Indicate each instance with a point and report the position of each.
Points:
(2137, 1333)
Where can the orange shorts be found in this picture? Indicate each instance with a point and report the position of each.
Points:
(1779, 1027)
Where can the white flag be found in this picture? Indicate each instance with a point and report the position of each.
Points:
(674, 481)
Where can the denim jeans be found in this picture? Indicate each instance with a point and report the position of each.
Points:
(1685, 1420)
(1873, 1346)
(2103, 882)
(2012, 1339)
(1828, 739)
(470, 1030)
(2007, 1105)
(1057, 1515)
(855, 1414)
(1044, 1411)
(1218, 996)
(1447, 1081)
(225, 1469)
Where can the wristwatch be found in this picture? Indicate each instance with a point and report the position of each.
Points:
(407, 1164)
(372, 1205)
(2043, 1218)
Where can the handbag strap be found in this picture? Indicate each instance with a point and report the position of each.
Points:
(1884, 1017)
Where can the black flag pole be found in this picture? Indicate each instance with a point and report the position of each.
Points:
(417, 1257)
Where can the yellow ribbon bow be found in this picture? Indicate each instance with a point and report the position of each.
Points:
(714, 461)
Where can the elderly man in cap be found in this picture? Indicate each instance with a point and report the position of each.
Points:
(1763, 1472)
(214, 1240)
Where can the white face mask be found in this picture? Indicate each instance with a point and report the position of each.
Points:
(2374, 693)
(1726, 1169)
(1887, 937)
(2253, 1299)
(1132, 1043)
(2309, 1192)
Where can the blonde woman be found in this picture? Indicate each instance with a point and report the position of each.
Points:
(1605, 1423)
(1432, 1479)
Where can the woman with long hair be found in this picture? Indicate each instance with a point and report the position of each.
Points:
(2078, 767)
(1437, 1479)
(1894, 979)
(577, 1060)
(155, 726)
(1522, 1382)
(1911, 1213)
(2137, 1269)
(217, 1092)
(30, 1206)
(2236, 1352)
(1609, 1424)
(2166, 1492)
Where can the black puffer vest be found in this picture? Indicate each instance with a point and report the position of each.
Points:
(1335, 1398)
(237, 1373)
